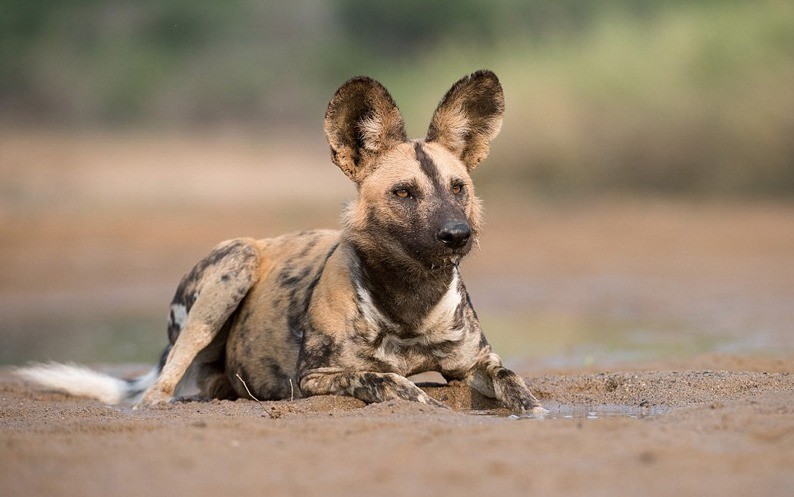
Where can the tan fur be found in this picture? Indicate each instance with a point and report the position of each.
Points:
(469, 117)
(354, 312)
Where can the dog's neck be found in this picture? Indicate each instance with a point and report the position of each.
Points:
(403, 291)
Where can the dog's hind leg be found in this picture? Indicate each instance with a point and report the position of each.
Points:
(218, 284)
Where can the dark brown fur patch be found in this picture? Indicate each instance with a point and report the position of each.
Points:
(428, 167)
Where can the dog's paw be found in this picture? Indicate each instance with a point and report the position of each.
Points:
(153, 397)
(521, 401)
(539, 412)
(530, 405)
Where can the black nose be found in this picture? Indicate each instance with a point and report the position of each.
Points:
(454, 235)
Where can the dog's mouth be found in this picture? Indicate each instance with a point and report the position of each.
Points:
(446, 263)
(448, 258)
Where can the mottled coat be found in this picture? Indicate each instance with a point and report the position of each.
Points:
(356, 311)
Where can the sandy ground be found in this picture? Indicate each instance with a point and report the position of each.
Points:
(661, 432)
(657, 331)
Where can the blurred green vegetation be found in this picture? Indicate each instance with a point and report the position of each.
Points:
(637, 95)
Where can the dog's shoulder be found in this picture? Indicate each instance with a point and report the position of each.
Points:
(334, 302)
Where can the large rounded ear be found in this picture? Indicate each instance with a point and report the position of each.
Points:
(362, 122)
(469, 117)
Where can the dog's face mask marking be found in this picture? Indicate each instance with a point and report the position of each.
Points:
(419, 202)
(416, 200)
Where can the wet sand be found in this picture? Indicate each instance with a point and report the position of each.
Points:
(627, 432)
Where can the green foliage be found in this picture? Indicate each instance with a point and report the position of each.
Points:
(669, 95)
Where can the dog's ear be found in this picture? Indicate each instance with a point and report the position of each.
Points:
(362, 122)
(469, 117)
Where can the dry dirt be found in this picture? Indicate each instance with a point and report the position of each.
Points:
(95, 225)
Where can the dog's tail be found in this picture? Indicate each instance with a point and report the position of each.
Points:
(84, 382)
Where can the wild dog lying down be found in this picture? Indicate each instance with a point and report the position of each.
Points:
(350, 312)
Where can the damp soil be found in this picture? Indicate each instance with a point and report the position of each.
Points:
(706, 431)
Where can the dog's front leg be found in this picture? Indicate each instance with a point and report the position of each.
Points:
(493, 380)
(367, 386)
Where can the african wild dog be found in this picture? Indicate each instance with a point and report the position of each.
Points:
(350, 312)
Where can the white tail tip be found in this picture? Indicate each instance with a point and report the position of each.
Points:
(77, 380)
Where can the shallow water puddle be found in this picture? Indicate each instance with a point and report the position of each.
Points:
(572, 340)
(569, 411)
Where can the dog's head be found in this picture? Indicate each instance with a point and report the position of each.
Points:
(416, 199)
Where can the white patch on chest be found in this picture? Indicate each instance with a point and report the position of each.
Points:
(438, 322)
(374, 318)
(436, 327)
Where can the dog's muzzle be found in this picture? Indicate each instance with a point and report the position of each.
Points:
(454, 235)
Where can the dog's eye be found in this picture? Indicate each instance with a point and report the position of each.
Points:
(402, 193)
(456, 189)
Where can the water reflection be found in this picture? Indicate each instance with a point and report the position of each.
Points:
(579, 412)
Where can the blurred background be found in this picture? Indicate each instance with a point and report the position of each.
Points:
(639, 197)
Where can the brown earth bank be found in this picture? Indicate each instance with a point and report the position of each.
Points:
(724, 426)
